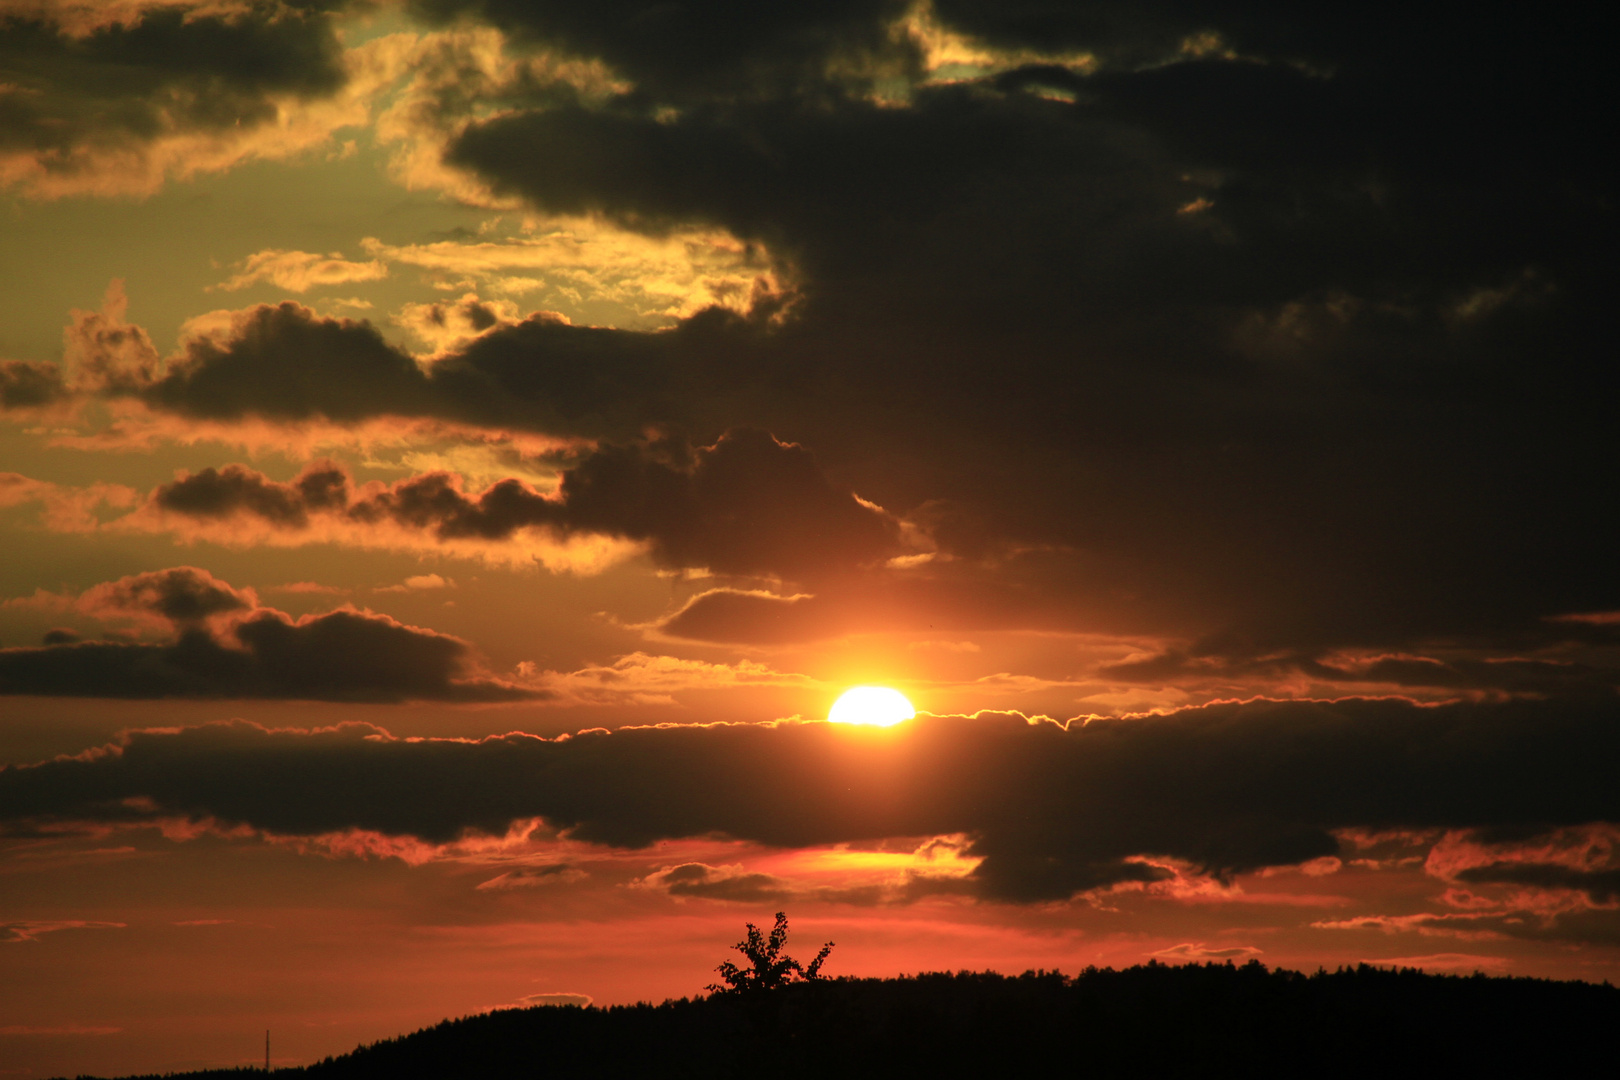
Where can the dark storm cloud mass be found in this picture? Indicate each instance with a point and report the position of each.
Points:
(224, 646)
(1307, 316)
(1290, 324)
(1380, 171)
(76, 83)
(866, 196)
(1226, 787)
(748, 504)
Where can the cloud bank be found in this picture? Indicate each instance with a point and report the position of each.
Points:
(748, 504)
(1051, 811)
(219, 643)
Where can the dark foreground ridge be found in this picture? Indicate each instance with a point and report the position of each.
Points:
(1144, 1021)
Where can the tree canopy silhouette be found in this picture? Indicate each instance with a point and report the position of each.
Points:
(767, 967)
(1154, 1020)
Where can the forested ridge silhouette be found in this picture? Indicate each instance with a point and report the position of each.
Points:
(1149, 1020)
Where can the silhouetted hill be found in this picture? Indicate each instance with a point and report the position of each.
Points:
(1153, 1020)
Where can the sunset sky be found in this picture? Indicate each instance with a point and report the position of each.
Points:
(453, 453)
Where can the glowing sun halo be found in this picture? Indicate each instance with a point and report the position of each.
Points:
(871, 705)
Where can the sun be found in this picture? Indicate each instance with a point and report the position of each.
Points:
(876, 705)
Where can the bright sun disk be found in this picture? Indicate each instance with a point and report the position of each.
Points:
(876, 705)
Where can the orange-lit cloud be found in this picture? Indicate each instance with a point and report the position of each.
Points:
(105, 353)
(531, 877)
(447, 327)
(64, 508)
(1559, 884)
(300, 271)
(948, 54)
(452, 73)
(901, 873)
(1464, 927)
(642, 678)
(388, 443)
(1198, 952)
(314, 588)
(673, 275)
(81, 18)
(31, 929)
(419, 582)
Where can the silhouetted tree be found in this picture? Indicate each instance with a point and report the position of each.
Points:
(768, 968)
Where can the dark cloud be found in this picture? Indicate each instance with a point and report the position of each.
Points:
(1210, 663)
(1227, 787)
(25, 384)
(733, 884)
(183, 595)
(757, 617)
(720, 47)
(1601, 886)
(747, 504)
(530, 877)
(225, 646)
(719, 883)
(235, 489)
(80, 84)
(938, 215)
(940, 597)
(1344, 177)
(287, 363)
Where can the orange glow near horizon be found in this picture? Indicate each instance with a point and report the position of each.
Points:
(878, 706)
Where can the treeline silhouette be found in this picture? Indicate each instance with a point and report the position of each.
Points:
(1151, 1020)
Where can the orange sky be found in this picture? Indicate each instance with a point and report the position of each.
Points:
(454, 452)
